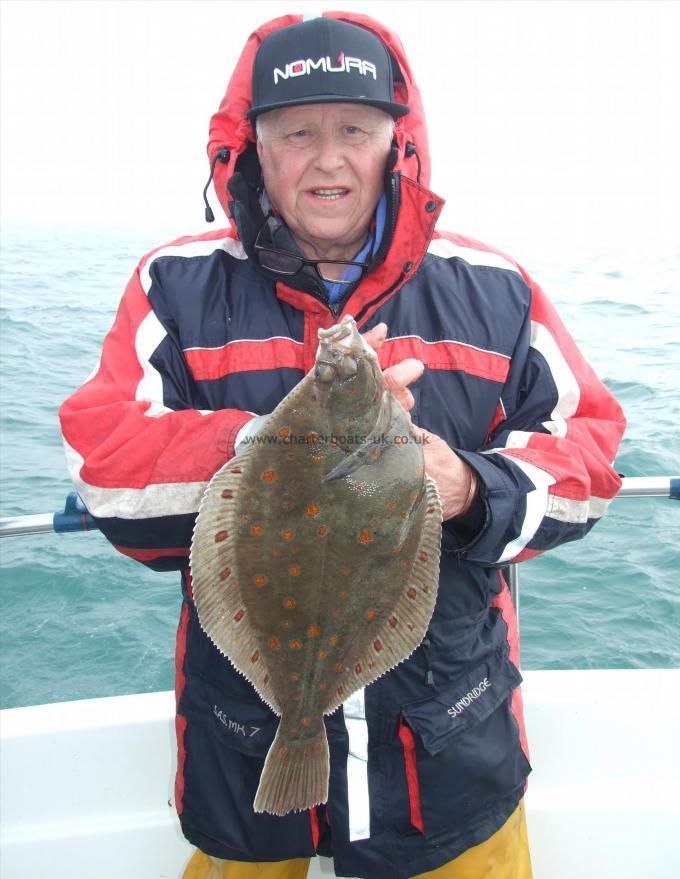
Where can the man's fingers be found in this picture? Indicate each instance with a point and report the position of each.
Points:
(406, 398)
(376, 336)
(397, 377)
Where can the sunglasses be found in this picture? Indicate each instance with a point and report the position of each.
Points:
(287, 264)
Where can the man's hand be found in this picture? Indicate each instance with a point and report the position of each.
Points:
(456, 480)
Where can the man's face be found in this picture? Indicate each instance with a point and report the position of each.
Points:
(323, 168)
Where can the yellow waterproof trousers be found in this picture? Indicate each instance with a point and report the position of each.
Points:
(505, 855)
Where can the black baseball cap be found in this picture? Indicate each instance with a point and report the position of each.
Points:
(323, 61)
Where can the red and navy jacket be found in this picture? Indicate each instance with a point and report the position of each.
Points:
(202, 341)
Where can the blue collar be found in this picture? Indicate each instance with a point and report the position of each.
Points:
(369, 249)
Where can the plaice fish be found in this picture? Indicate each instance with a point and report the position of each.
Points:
(315, 556)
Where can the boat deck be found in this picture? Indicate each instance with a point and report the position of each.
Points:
(80, 779)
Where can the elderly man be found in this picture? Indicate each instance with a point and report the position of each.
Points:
(319, 156)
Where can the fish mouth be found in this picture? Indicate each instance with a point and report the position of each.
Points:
(339, 332)
(340, 348)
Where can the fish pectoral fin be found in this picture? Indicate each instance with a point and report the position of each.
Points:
(364, 453)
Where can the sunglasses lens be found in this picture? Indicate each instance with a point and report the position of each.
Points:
(281, 263)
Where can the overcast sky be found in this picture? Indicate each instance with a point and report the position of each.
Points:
(552, 124)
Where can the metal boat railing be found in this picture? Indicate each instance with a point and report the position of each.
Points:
(75, 517)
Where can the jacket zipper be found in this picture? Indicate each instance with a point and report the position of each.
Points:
(385, 244)
(358, 317)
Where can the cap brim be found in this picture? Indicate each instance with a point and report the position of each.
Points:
(395, 110)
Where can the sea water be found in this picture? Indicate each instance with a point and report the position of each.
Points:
(78, 620)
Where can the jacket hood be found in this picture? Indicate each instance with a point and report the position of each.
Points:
(231, 132)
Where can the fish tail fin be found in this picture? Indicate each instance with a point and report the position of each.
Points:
(295, 774)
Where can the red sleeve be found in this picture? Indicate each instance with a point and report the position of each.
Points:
(139, 465)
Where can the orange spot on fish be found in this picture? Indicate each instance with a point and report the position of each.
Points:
(260, 580)
(220, 536)
(283, 431)
(285, 624)
(411, 592)
(333, 640)
(225, 573)
(312, 437)
(257, 530)
(294, 570)
(403, 514)
(405, 563)
(274, 644)
(316, 458)
(305, 721)
(423, 556)
(357, 668)
(269, 475)
(377, 645)
(255, 656)
(322, 685)
(340, 666)
(287, 535)
(375, 453)
(289, 603)
(321, 654)
(394, 622)
(345, 571)
(227, 493)
(414, 495)
(343, 594)
(313, 631)
(392, 505)
(293, 676)
(371, 614)
(236, 470)
(322, 530)
(365, 537)
(373, 523)
(239, 616)
(313, 510)
(290, 455)
(296, 644)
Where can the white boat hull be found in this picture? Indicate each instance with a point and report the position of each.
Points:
(87, 787)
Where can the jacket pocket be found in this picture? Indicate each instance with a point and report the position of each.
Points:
(246, 725)
(462, 748)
